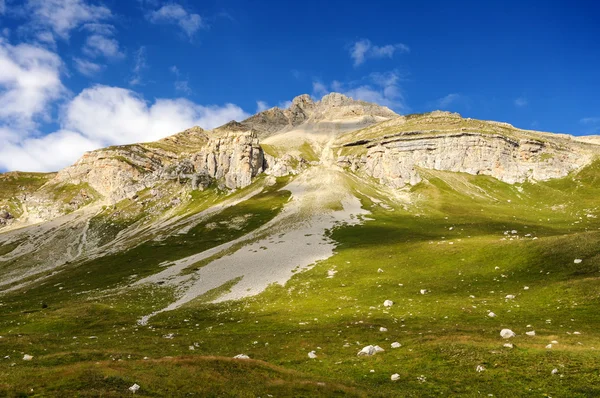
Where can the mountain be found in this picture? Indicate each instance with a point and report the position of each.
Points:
(299, 236)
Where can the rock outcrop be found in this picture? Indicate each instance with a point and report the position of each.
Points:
(231, 155)
(235, 157)
(395, 160)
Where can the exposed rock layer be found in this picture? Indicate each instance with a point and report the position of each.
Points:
(395, 160)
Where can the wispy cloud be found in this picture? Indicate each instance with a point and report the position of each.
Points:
(175, 14)
(448, 100)
(363, 49)
(182, 85)
(590, 120)
(99, 45)
(62, 16)
(521, 102)
(87, 68)
(139, 66)
(261, 106)
(380, 88)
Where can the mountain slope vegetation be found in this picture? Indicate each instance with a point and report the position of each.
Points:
(164, 282)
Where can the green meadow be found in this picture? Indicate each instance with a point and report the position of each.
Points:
(447, 259)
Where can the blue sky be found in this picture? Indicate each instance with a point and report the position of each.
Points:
(77, 75)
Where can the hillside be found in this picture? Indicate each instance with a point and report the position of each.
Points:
(298, 237)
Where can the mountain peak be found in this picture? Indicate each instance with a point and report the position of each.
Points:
(333, 107)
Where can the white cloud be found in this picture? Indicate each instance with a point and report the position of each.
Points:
(100, 28)
(100, 116)
(177, 15)
(29, 81)
(46, 37)
(261, 106)
(521, 102)
(284, 104)
(62, 16)
(180, 84)
(86, 68)
(320, 89)
(98, 45)
(448, 100)
(140, 65)
(183, 86)
(380, 88)
(118, 116)
(364, 49)
(590, 120)
(31, 154)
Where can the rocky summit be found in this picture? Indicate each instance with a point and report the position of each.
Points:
(275, 248)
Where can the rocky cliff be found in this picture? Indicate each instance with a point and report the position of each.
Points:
(395, 161)
(393, 151)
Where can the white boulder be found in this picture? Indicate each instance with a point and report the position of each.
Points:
(370, 350)
(241, 356)
(388, 303)
(395, 344)
(507, 333)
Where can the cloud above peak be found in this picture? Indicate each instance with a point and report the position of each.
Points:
(521, 102)
(175, 14)
(363, 49)
(380, 88)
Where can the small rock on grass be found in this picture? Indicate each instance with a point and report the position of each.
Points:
(27, 357)
(370, 350)
(395, 377)
(241, 356)
(507, 333)
(395, 344)
(312, 355)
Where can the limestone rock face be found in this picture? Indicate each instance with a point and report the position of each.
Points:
(395, 160)
(116, 173)
(234, 157)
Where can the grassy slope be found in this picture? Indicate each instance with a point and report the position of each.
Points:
(444, 334)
